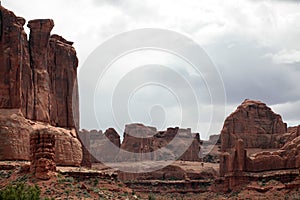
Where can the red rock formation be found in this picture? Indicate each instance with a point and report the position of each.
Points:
(84, 137)
(104, 147)
(288, 157)
(193, 152)
(170, 172)
(38, 82)
(113, 136)
(42, 154)
(255, 123)
(68, 149)
(137, 143)
(233, 161)
(249, 123)
(15, 143)
(142, 143)
(14, 135)
(245, 128)
(62, 67)
(39, 77)
(39, 45)
(16, 86)
(145, 143)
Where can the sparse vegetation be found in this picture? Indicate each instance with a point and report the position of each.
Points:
(20, 191)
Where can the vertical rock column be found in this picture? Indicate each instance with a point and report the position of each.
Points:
(62, 69)
(225, 163)
(42, 154)
(16, 89)
(39, 41)
(240, 155)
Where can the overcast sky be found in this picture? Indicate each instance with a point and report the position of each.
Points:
(255, 45)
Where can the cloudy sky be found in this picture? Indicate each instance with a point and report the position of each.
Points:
(254, 45)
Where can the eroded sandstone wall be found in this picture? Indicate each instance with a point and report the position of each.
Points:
(142, 143)
(245, 128)
(42, 154)
(256, 124)
(38, 89)
(16, 85)
(102, 147)
(38, 76)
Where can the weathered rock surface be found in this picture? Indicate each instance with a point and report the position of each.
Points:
(256, 124)
(15, 139)
(16, 85)
(39, 45)
(42, 154)
(288, 157)
(253, 124)
(62, 67)
(38, 84)
(39, 76)
(84, 137)
(145, 143)
(68, 149)
(142, 143)
(104, 147)
(14, 135)
(170, 172)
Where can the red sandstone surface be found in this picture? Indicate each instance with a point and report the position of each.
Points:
(38, 89)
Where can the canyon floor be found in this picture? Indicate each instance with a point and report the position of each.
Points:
(101, 182)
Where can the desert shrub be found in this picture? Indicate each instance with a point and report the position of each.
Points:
(151, 197)
(20, 191)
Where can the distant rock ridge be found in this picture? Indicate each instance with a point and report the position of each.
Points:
(142, 142)
(38, 90)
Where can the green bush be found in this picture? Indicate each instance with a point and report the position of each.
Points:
(20, 191)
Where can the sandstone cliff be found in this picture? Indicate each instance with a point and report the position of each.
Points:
(38, 84)
(256, 124)
(146, 143)
(142, 143)
(102, 147)
(250, 126)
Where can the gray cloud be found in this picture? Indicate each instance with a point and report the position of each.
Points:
(253, 43)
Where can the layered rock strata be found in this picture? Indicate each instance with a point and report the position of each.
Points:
(256, 124)
(42, 154)
(38, 85)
